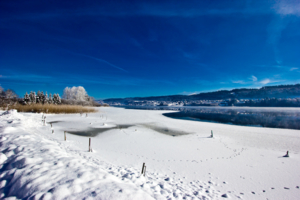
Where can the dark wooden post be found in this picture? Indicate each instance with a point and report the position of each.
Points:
(145, 171)
(52, 131)
(143, 168)
(65, 135)
(287, 154)
(90, 149)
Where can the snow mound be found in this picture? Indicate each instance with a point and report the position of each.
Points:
(33, 167)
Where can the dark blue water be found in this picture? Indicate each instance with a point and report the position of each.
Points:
(246, 116)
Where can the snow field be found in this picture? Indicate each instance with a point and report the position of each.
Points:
(239, 162)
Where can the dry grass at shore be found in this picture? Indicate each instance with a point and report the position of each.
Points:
(50, 108)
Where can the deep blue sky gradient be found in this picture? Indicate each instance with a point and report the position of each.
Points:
(148, 48)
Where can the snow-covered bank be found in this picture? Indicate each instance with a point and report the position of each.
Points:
(239, 162)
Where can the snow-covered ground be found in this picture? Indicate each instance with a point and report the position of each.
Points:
(182, 160)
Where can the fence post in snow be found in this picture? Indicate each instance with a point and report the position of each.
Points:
(65, 135)
(86, 114)
(145, 171)
(90, 149)
(212, 134)
(287, 154)
(52, 131)
(51, 125)
(143, 168)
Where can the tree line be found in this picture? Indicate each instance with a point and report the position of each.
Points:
(42, 98)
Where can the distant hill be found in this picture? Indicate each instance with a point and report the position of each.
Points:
(280, 91)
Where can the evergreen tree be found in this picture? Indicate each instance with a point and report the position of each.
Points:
(32, 97)
(38, 97)
(26, 98)
(46, 100)
(56, 99)
(50, 99)
(42, 97)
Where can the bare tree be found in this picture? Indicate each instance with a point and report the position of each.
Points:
(75, 93)
(9, 94)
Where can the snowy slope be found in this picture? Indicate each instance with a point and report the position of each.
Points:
(182, 160)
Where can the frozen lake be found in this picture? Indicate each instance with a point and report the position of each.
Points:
(246, 116)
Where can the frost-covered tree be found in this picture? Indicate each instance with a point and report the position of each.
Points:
(67, 93)
(9, 94)
(26, 98)
(75, 93)
(32, 97)
(42, 97)
(56, 99)
(38, 97)
(50, 101)
(81, 94)
(46, 100)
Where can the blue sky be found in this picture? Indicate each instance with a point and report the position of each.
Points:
(148, 48)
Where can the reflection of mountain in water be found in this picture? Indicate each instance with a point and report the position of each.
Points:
(265, 117)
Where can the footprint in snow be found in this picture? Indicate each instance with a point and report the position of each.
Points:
(224, 195)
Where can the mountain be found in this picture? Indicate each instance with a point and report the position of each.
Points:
(280, 91)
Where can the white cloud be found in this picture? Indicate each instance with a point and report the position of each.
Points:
(287, 7)
(283, 8)
(253, 78)
(265, 81)
(239, 82)
(294, 68)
